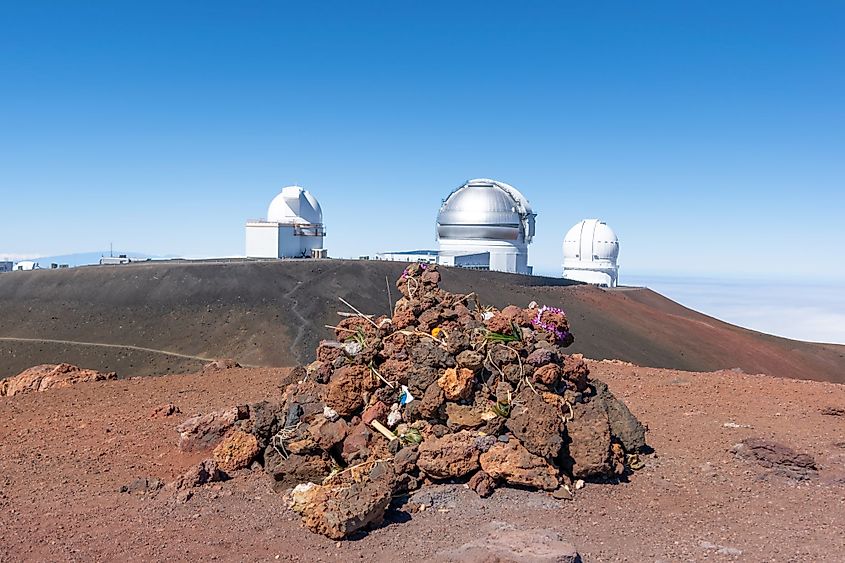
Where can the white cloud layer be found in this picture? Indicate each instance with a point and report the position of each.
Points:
(801, 311)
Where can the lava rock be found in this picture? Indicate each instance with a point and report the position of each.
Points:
(50, 376)
(514, 464)
(781, 459)
(624, 426)
(456, 383)
(589, 436)
(205, 431)
(482, 484)
(236, 451)
(453, 455)
(339, 511)
(343, 392)
(537, 424)
(206, 471)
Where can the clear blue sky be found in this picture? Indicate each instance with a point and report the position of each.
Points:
(710, 135)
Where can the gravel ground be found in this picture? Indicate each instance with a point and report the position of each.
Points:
(65, 453)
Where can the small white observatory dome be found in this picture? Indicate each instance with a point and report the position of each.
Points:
(295, 205)
(485, 216)
(590, 252)
(293, 228)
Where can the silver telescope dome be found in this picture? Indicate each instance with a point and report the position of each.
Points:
(485, 209)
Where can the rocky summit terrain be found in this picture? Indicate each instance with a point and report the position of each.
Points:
(444, 391)
(80, 469)
(484, 440)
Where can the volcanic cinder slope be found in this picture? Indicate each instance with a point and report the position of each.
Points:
(162, 317)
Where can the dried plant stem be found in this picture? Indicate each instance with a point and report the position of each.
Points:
(360, 314)
(389, 384)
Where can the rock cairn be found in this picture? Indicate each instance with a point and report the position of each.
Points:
(445, 390)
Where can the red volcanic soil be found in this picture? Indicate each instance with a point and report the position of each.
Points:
(65, 453)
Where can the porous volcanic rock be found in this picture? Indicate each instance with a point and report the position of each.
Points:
(780, 459)
(236, 451)
(205, 431)
(337, 511)
(514, 464)
(50, 376)
(206, 471)
(221, 364)
(456, 383)
(537, 424)
(624, 426)
(589, 441)
(453, 455)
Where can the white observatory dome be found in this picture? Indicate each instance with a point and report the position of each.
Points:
(486, 209)
(590, 252)
(293, 229)
(490, 221)
(295, 205)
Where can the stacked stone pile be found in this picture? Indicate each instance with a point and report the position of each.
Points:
(445, 390)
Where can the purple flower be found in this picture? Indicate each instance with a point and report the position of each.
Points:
(560, 335)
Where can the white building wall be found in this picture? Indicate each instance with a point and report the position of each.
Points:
(262, 240)
(505, 256)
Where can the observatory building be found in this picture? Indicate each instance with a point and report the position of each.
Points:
(590, 251)
(486, 224)
(293, 228)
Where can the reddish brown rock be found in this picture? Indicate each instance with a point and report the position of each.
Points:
(462, 417)
(206, 471)
(329, 350)
(50, 376)
(395, 370)
(376, 411)
(514, 464)
(205, 431)
(781, 459)
(429, 319)
(355, 446)
(163, 411)
(456, 383)
(537, 424)
(328, 434)
(294, 469)
(589, 435)
(217, 365)
(339, 511)
(482, 484)
(548, 374)
(499, 323)
(236, 451)
(403, 314)
(453, 455)
(343, 392)
(575, 371)
(431, 401)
